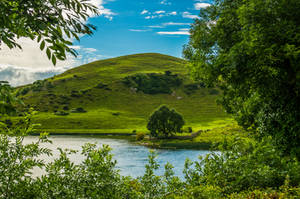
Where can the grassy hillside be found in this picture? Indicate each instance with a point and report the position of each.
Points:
(111, 105)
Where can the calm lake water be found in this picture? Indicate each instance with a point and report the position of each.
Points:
(131, 158)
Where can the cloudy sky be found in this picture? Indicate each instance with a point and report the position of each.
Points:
(124, 27)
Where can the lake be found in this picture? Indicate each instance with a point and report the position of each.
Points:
(131, 158)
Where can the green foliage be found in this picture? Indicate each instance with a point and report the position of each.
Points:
(53, 24)
(61, 113)
(213, 91)
(251, 50)
(23, 91)
(244, 165)
(7, 99)
(140, 136)
(243, 169)
(165, 122)
(153, 83)
(78, 110)
(192, 88)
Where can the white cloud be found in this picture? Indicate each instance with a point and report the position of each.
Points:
(157, 26)
(163, 25)
(199, 6)
(160, 12)
(107, 13)
(174, 33)
(176, 24)
(138, 30)
(75, 47)
(144, 12)
(27, 65)
(30, 64)
(165, 2)
(89, 50)
(189, 15)
(184, 29)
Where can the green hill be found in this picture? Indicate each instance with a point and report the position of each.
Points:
(118, 95)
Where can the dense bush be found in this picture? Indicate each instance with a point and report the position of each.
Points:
(213, 91)
(243, 165)
(75, 94)
(78, 110)
(23, 91)
(140, 136)
(37, 85)
(153, 83)
(61, 113)
(102, 86)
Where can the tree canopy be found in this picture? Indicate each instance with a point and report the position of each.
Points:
(251, 49)
(52, 23)
(165, 122)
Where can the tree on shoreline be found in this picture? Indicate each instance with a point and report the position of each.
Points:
(165, 122)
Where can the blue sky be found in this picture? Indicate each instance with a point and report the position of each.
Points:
(124, 27)
(137, 26)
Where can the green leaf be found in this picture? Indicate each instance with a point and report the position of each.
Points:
(48, 52)
(42, 46)
(39, 38)
(54, 60)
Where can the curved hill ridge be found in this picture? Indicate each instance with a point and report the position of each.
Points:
(113, 106)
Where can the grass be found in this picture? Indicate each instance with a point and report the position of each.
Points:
(205, 140)
(119, 109)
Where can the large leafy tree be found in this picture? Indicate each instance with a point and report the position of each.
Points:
(165, 122)
(52, 23)
(251, 49)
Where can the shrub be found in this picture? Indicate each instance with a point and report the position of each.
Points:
(116, 114)
(66, 108)
(190, 88)
(153, 83)
(49, 85)
(61, 113)
(140, 136)
(78, 110)
(23, 91)
(213, 91)
(245, 164)
(37, 85)
(75, 93)
(165, 122)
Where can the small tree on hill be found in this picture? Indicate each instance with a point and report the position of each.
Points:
(165, 122)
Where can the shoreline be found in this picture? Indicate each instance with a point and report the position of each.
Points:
(172, 143)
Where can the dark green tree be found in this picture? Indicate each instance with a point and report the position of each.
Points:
(7, 99)
(165, 122)
(52, 23)
(251, 50)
